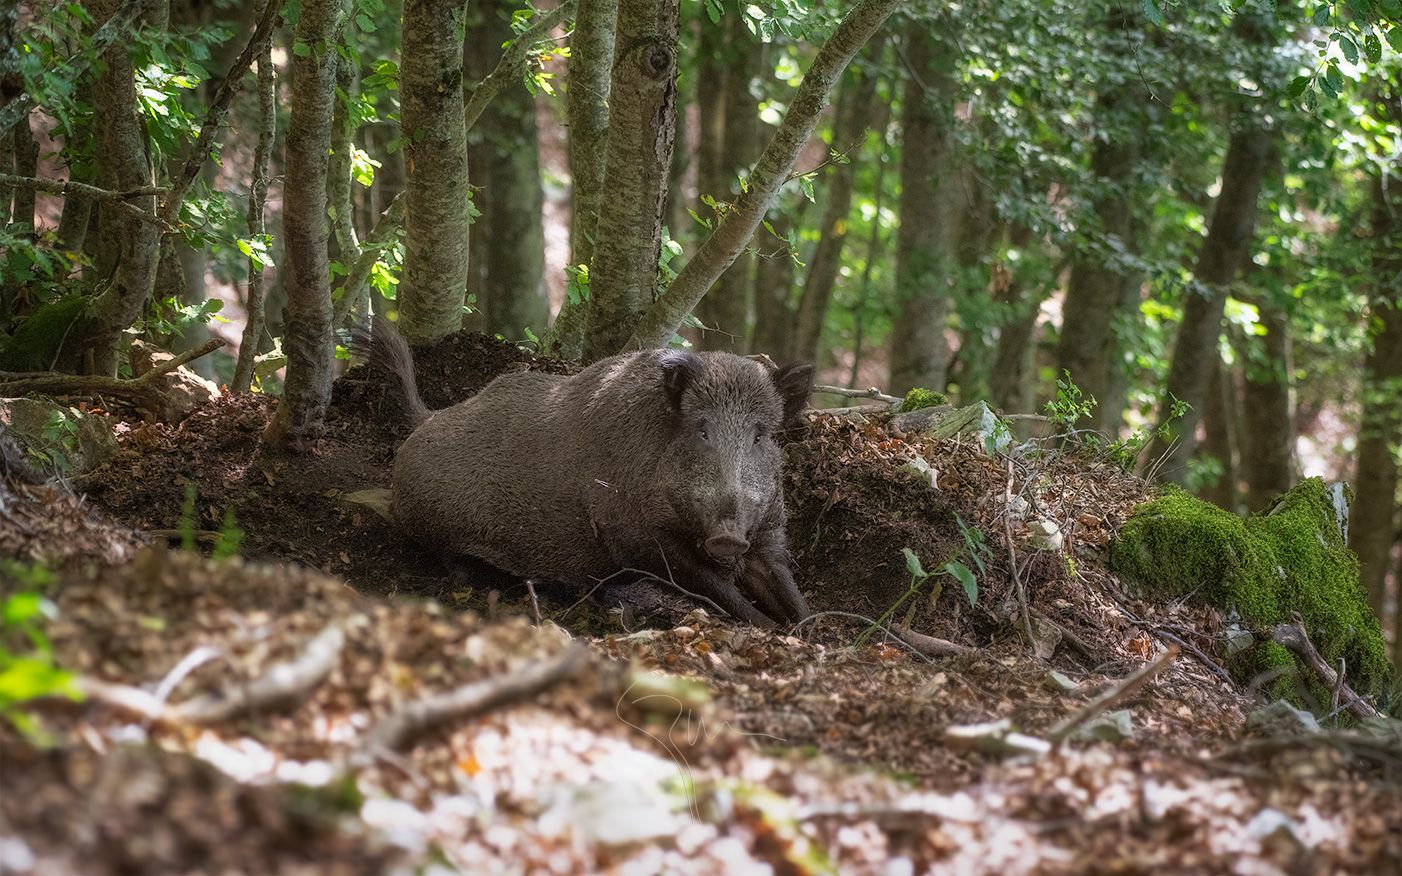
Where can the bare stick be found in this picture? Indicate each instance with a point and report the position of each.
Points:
(1121, 692)
(535, 603)
(73, 188)
(282, 685)
(1293, 637)
(513, 61)
(855, 409)
(1012, 557)
(400, 730)
(873, 392)
(931, 646)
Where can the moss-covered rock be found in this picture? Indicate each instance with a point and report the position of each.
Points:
(919, 397)
(1290, 558)
(51, 338)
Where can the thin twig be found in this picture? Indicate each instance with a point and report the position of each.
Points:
(873, 392)
(1121, 692)
(513, 61)
(73, 188)
(401, 729)
(1012, 558)
(281, 685)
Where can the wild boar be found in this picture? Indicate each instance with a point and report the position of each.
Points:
(659, 463)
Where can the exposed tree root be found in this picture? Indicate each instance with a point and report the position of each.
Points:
(1292, 636)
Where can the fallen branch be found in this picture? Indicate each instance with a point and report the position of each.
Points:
(1292, 636)
(1121, 692)
(73, 188)
(873, 392)
(400, 730)
(931, 646)
(513, 61)
(145, 390)
(1012, 558)
(854, 409)
(282, 685)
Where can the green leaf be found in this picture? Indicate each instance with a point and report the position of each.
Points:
(1321, 14)
(1336, 79)
(806, 184)
(1153, 13)
(1394, 38)
(301, 49)
(1298, 85)
(1349, 47)
(365, 23)
(961, 572)
(912, 564)
(1373, 48)
(22, 607)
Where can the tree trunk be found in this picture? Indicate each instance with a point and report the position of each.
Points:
(928, 235)
(587, 117)
(131, 247)
(1267, 412)
(1090, 346)
(774, 279)
(257, 224)
(1010, 383)
(1221, 438)
(976, 350)
(642, 123)
(771, 171)
(856, 107)
(308, 339)
(434, 285)
(725, 310)
(1111, 409)
(1374, 526)
(11, 86)
(26, 152)
(511, 291)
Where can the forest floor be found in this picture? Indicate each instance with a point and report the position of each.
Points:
(258, 715)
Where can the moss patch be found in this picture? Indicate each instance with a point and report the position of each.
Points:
(1289, 558)
(920, 397)
(50, 338)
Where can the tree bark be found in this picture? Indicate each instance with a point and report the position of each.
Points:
(928, 235)
(131, 247)
(774, 280)
(11, 88)
(1221, 438)
(1374, 528)
(1089, 346)
(856, 107)
(511, 275)
(257, 198)
(1267, 412)
(642, 124)
(434, 285)
(587, 116)
(771, 171)
(724, 312)
(308, 339)
(1010, 383)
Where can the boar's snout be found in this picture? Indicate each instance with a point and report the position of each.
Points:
(726, 544)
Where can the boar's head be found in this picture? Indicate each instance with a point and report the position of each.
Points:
(722, 466)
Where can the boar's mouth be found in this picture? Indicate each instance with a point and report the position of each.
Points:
(726, 545)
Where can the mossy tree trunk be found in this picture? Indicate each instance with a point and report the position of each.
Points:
(587, 120)
(129, 247)
(308, 339)
(725, 309)
(1375, 525)
(855, 111)
(928, 235)
(508, 238)
(642, 124)
(434, 285)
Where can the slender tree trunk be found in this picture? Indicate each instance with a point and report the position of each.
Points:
(928, 233)
(874, 252)
(976, 347)
(725, 309)
(856, 108)
(678, 221)
(436, 222)
(257, 198)
(642, 124)
(26, 152)
(1267, 412)
(587, 117)
(308, 340)
(132, 247)
(11, 87)
(1374, 526)
(511, 292)
(771, 171)
(1111, 409)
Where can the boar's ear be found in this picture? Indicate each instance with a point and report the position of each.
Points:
(794, 383)
(679, 369)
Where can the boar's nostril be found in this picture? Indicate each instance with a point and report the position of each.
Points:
(726, 545)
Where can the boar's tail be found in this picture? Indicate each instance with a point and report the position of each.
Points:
(387, 351)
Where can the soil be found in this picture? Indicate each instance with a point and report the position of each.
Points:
(792, 741)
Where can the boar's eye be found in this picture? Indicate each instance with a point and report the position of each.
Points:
(759, 435)
(701, 429)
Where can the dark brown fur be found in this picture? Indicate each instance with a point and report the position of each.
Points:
(660, 462)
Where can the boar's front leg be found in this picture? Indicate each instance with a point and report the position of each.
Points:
(769, 582)
(677, 564)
